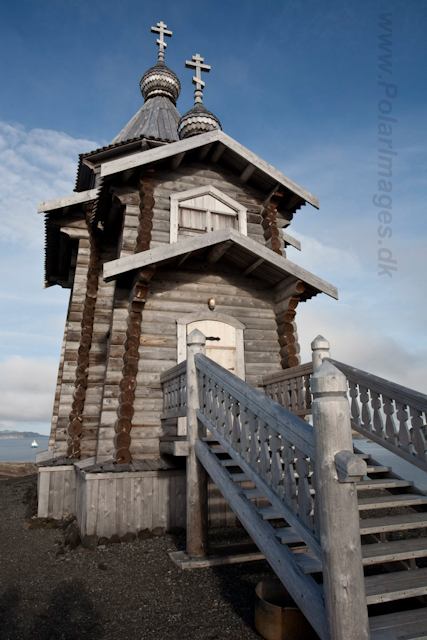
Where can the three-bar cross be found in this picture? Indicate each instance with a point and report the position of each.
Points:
(161, 29)
(197, 64)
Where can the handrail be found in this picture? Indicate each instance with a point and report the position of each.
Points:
(267, 441)
(287, 374)
(401, 394)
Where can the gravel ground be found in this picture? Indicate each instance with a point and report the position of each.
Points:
(127, 591)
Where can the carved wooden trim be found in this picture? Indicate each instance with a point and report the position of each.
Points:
(125, 410)
(75, 427)
(286, 325)
(269, 224)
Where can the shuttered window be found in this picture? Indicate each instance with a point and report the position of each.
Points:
(203, 210)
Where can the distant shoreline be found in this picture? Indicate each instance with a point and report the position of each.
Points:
(9, 434)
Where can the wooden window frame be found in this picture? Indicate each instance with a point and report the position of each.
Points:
(177, 198)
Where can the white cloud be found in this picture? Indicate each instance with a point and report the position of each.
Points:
(28, 388)
(35, 165)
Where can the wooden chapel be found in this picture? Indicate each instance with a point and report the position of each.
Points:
(173, 226)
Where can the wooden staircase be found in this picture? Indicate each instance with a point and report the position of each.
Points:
(389, 553)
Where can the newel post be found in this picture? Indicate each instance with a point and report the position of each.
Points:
(197, 495)
(320, 348)
(337, 470)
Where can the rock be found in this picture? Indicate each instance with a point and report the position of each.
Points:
(90, 542)
(60, 551)
(158, 531)
(26, 525)
(115, 539)
(101, 547)
(144, 534)
(52, 525)
(128, 537)
(102, 566)
(73, 538)
(102, 542)
(81, 550)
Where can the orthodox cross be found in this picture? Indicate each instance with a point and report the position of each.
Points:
(197, 64)
(161, 29)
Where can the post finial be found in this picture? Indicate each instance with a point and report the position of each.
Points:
(320, 348)
(161, 29)
(196, 63)
(196, 337)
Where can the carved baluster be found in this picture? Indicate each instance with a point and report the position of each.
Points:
(378, 421)
(293, 395)
(286, 394)
(215, 404)
(221, 411)
(354, 406)
(418, 438)
(276, 463)
(279, 387)
(264, 455)
(235, 436)
(228, 417)
(404, 435)
(390, 423)
(366, 411)
(307, 395)
(289, 482)
(208, 398)
(305, 502)
(254, 444)
(244, 434)
(300, 393)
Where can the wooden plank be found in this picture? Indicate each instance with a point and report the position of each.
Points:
(388, 502)
(67, 201)
(393, 523)
(393, 551)
(184, 561)
(396, 586)
(402, 625)
(43, 482)
(302, 589)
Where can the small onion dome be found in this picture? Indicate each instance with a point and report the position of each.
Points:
(160, 81)
(197, 120)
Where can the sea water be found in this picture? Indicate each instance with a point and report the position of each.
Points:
(20, 450)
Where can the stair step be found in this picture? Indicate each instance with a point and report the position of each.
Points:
(396, 586)
(393, 523)
(217, 450)
(383, 483)
(269, 513)
(287, 535)
(364, 456)
(228, 463)
(387, 502)
(378, 469)
(209, 439)
(252, 494)
(239, 477)
(403, 625)
(308, 562)
(393, 551)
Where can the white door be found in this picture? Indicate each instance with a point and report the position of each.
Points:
(221, 344)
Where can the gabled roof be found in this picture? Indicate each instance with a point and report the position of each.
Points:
(233, 154)
(247, 255)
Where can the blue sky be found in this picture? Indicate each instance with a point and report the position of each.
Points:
(294, 81)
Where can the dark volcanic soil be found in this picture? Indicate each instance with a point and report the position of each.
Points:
(127, 591)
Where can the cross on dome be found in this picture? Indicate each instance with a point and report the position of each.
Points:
(161, 29)
(197, 63)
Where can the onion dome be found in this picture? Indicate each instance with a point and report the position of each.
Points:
(197, 120)
(160, 81)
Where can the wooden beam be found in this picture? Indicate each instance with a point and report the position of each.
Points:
(218, 151)
(290, 240)
(183, 258)
(218, 251)
(205, 150)
(246, 173)
(253, 266)
(176, 160)
(67, 201)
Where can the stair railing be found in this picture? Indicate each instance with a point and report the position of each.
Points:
(391, 415)
(278, 451)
